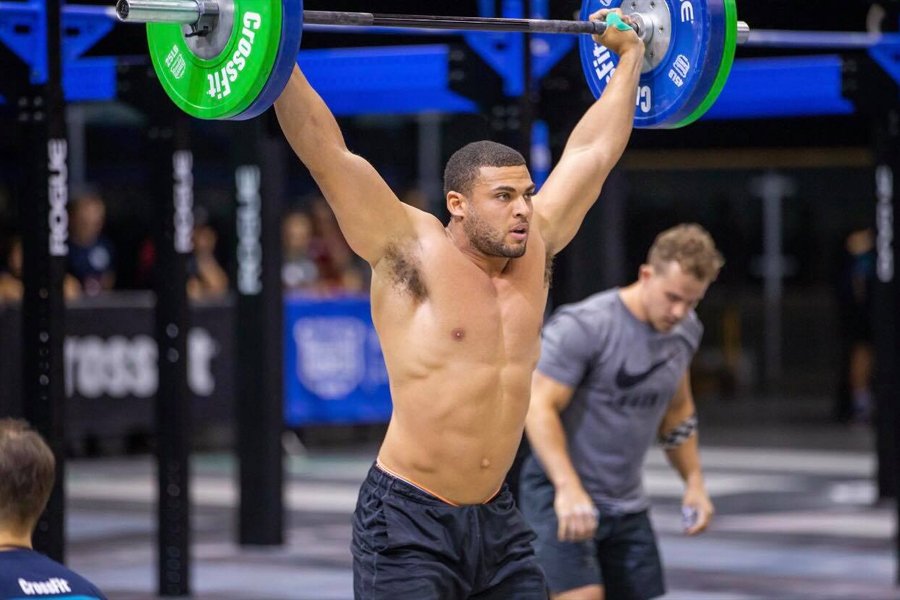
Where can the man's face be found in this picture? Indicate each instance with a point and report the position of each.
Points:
(669, 295)
(498, 211)
(88, 217)
(296, 233)
(15, 259)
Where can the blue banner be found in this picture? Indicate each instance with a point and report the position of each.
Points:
(334, 371)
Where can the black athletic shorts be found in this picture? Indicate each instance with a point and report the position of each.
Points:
(409, 544)
(622, 556)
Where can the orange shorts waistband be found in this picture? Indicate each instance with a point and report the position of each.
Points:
(422, 488)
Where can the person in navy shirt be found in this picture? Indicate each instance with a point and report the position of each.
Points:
(91, 257)
(27, 471)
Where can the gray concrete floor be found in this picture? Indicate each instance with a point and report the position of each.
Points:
(796, 518)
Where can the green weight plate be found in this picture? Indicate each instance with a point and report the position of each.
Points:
(218, 80)
(731, 20)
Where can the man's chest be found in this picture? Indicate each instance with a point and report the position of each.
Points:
(481, 315)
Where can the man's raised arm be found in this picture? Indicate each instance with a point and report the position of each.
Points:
(369, 213)
(594, 147)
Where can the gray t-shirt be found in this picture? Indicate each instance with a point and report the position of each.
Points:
(624, 373)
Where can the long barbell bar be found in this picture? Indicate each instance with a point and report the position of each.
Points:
(189, 12)
(193, 12)
(837, 40)
(315, 17)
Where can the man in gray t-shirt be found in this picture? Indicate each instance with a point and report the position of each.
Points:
(612, 378)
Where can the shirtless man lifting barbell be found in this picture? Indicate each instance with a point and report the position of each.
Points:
(458, 310)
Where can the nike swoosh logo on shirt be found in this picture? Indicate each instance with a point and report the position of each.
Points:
(625, 380)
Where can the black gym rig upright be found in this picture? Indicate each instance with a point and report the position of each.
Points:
(42, 190)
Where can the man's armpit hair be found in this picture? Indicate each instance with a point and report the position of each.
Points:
(406, 270)
(548, 269)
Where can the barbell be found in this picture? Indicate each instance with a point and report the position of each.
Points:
(231, 59)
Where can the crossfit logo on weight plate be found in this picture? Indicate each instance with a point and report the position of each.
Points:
(220, 81)
(644, 100)
(604, 67)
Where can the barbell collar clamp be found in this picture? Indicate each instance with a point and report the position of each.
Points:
(743, 33)
(201, 15)
(184, 12)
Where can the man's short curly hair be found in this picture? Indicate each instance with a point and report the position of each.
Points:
(463, 167)
(689, 245)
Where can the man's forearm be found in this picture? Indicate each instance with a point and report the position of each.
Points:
(685, 459)
(307, 122)
(548, 441)
(610, 120)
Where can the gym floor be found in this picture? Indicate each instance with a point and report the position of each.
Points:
(796, 517)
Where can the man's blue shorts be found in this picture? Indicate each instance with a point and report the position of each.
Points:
(408, 544)
(622, 557)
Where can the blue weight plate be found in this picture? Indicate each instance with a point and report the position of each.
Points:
(679, 83)
(286, 58)
(711, 60)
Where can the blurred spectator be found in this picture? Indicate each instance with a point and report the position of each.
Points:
(27, 473)
(206, 277)
(90, 252)
(11, 287)
(854, 291)
(340, 270)
(299, 272)
(146, 259)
